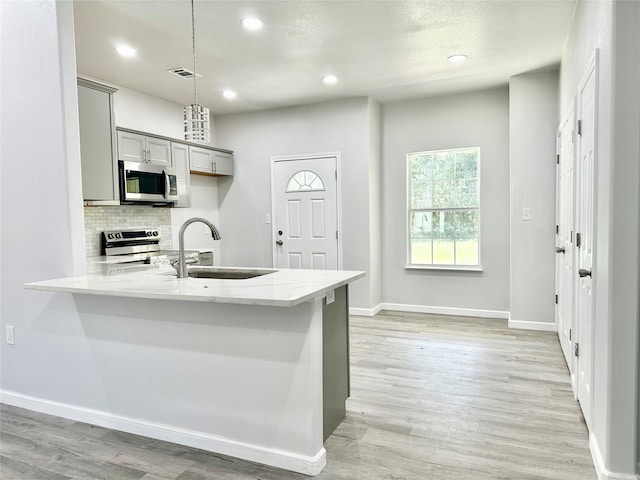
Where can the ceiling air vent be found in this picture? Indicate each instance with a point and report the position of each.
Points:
(183, 72)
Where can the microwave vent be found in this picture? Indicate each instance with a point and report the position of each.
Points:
(183, 72)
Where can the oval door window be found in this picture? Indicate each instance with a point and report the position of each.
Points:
(305, 180)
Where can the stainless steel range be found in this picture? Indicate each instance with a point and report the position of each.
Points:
(143, 246)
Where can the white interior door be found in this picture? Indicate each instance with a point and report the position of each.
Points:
(305, 209)
(564, 240)
(585, 240)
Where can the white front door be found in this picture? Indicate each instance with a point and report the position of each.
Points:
(305, 210)
(585, 239)
(564, 240)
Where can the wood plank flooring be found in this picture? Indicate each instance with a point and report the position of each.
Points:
(432, 397)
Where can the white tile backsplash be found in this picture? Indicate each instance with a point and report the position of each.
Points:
(99, 219)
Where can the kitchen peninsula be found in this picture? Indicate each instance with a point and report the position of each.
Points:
(254, 368)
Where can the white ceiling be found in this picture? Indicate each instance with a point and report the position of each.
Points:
(386, 49)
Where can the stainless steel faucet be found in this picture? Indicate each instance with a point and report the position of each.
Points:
(215, 234)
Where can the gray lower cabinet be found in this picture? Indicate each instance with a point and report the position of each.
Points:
(180, 157)
(335, 360)
(97, 143)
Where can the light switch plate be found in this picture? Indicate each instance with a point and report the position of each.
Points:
(267, 218)
(11, 339)
(526, 214)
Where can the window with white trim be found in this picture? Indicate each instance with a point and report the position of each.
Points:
(444, 208)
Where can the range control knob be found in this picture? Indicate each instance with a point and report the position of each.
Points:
(155, 233)
(148, 233)
(118, 235)
(109, 236)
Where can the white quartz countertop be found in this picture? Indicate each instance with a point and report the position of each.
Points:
(284, 288)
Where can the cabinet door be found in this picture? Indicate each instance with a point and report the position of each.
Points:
(158, 151)
(201, 160)
(99, 180)
(180, 157)
(131, 147)
(222, 163)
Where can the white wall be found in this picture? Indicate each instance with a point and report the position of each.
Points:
(613, 28)
(464, 120)
(40, 234)
(339, 126)
(533, 120)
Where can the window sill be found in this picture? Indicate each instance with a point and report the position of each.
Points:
(450, 268)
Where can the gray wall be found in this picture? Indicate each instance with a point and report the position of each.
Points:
(375, 213)
(613, 28)
(340, 126)
(533, 120)
(464, 120)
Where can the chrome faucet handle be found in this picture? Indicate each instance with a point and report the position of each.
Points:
(188, 261)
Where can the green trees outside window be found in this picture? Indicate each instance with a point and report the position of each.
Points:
(444, 204)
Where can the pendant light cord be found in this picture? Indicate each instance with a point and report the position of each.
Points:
(193, 40)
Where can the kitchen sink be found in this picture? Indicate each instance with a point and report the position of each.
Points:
(226, 273)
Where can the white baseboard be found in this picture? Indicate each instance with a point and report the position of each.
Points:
(525, 325)
(601, 470)
(461, 312)
(365, 312)
(308, 465)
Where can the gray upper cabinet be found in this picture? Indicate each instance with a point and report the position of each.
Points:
(222, 163)
(135, 147)
(205, 161)
(201, 160)
(97, 143)
(180, 156)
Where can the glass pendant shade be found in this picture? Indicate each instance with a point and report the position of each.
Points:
(196, 123)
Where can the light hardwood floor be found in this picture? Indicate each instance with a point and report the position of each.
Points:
(433, 398)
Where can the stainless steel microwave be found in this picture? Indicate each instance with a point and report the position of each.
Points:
(148, 183)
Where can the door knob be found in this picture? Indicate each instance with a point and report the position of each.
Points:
(279, 232)
(559, 249)
(584, 273)
(279, 242)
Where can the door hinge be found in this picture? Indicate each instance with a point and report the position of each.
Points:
(556, 299)
(579, 127)
(557, 228)
(558, 159)
(576, 349)
(336, 172)
(569, 334)
(578, 240)
(336, 234)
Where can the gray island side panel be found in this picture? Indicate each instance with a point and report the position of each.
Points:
(335, 360)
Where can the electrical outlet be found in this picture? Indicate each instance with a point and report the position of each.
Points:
(331, 296)
(11, 339)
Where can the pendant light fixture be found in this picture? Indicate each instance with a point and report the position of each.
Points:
(196, 117)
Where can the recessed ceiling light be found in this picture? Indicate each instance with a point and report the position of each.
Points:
(126, 51)
(457, 58)
(330, 79)
(229, 94)
(252, 23)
